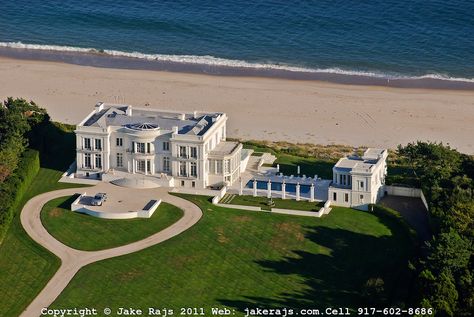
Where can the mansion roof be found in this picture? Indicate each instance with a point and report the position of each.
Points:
(147, 119)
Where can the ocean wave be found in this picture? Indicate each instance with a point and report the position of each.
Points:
(208, 60)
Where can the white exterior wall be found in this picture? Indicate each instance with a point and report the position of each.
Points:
(362, 187)
(203, 144)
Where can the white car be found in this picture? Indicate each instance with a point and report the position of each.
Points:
(99, 199)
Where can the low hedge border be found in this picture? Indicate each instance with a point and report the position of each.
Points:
(14, 188)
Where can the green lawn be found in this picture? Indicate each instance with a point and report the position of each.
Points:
(279, 203)
(248, 259)
(25, 267)
(308, 166)
(85, 232)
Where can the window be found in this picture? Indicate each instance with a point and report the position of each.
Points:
(148, 166)
(182, 151)
(334, 196)
(119, 142)
(87, 160)
(98, 144)
(87, 143)
(166, 146)
(346, 197)
(219, 167)
(182, 183)
(98, 160)
(166, 164)
(140, 147)
(119, 160)
(148, 147)
(227, 166)
(193, 169)
(362, 185)
(193, 184)
(182, 169)
(361, 198)
(141, 166)
(194, 152)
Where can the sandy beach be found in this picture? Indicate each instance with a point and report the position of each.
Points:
(258, 108)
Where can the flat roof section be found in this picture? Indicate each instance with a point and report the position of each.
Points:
(165, 120)
(224, 148)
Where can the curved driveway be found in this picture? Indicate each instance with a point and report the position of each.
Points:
(73, 260)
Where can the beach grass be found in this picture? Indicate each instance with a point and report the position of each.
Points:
(84, 232)
(236, 259)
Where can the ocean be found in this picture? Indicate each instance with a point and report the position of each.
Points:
(404, 42)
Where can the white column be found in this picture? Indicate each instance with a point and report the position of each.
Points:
(254, 188)
(153, 166)
(146, 167)
(269, 189)
(298, 170)
(241, 191)
(283, 190)
(278, 167)
(297, 191)
(311, 193)
(133, 166)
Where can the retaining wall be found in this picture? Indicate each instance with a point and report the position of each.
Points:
(77, 207)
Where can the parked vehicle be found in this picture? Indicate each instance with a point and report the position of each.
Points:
(99, 199)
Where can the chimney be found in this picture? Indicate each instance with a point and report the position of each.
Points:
(99, 107)
(195, 114)
(182, 116)
(129, 111)
(175, 130)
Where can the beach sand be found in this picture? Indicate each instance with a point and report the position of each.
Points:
(258, 108)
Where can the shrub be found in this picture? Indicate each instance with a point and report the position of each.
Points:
(13, 189)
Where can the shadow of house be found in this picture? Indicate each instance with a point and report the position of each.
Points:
(55, 143)
(338, 279)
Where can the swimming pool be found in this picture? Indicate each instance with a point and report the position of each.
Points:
(290, 187)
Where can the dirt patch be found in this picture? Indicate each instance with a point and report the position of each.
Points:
(179, 262)
(241, 219)
(55, 212)
(289, 227)
(129, 275)
(221, 237)
(285, 233)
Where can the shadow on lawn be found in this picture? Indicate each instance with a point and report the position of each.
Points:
(66, 204)
(338, 279)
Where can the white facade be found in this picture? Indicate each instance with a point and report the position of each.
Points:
(359, 181)
(190, 148)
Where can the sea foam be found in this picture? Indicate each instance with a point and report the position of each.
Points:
(208, 60)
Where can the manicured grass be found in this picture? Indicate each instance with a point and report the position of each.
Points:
(243, 259)
(25, 267)
(85, 232)
(259, 201)
(308, 166)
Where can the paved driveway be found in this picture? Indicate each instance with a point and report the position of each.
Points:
(73, 260)
(413, 211)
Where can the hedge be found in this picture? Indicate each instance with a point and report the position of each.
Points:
(13, 189)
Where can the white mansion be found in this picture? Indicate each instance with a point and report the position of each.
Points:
(190, 149)
(359, 181)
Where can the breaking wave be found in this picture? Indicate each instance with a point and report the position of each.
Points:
(208, 60)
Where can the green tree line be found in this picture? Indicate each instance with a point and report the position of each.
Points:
(19, 123)
(445, 269)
